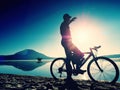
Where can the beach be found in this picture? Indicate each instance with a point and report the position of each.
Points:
(22, 82)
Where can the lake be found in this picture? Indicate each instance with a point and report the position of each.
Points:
(34, 68)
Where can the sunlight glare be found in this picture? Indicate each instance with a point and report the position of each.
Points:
(87, 32)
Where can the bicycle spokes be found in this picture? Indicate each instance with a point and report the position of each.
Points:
(103, 69)
(58, 69)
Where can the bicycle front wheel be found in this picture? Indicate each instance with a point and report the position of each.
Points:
(58, 69)
(103, 69)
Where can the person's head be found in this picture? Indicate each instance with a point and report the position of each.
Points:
(66, 17)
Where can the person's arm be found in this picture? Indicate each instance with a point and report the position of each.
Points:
(72, 19)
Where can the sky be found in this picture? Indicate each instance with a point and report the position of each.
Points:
(34, 24)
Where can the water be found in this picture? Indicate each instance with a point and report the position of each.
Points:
(26, 67)
(34, 68)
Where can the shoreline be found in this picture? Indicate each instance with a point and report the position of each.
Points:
(22, 82)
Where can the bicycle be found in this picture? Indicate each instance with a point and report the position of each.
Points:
(98, 68)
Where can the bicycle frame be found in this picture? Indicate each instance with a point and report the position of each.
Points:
(87, 58)
(90, 54)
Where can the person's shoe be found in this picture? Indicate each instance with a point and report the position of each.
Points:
(69, 80)
(80, 71)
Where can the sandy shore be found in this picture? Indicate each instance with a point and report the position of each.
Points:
(19, 82)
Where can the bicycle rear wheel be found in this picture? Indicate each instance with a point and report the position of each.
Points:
(58, 69)
(106, 70)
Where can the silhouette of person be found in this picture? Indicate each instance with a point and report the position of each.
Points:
(69, 47)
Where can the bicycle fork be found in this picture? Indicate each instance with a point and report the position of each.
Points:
(98, 66)
(96, 62)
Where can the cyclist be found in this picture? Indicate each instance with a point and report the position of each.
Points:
(70, 49)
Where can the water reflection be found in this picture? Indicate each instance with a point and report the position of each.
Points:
(25, 65)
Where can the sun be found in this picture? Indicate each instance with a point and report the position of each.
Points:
(86, 32)
(81, 35)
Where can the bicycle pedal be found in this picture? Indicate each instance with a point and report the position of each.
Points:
(81, 71)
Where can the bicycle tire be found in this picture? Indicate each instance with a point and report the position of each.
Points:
(106, 62)
(54, 69)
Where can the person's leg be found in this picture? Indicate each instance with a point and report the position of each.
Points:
(68, 65)
(66, 46)
(78, 56)
(76, 50)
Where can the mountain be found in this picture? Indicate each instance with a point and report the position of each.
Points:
(113, 56)
(25, 54)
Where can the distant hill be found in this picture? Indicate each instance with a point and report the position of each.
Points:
(113, 56)
(24, 55)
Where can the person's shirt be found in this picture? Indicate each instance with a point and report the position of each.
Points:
(65, 31)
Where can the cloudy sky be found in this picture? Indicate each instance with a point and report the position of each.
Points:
(34, 24)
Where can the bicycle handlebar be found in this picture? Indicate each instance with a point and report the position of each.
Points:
(96, 48)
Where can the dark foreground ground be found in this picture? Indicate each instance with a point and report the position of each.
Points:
(18, 82)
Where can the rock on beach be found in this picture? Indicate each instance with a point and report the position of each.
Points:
(21, 82)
